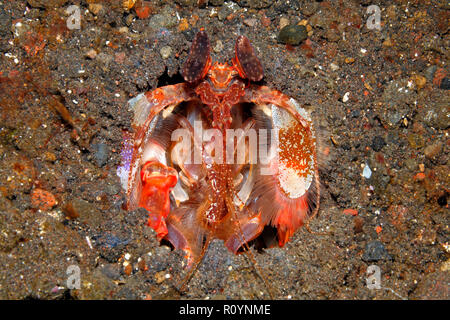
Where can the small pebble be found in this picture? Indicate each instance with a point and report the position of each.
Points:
(250, 22)
(387, 43)
(334, 67)
(419, 81)
(19, 29)
(101, 154)
(128, 269)
(119, 57)
(128, 4)
(218, 47)
(283, 22)
(183, 25)
(49, 156)
(111, 271)
(416, 141)
(292, 34)
(160, 277)
(213, 13)
(346, 97)
(367, 173)
(375, 251)
(309, 8)
(165, 19)
(165, 52)
(378, 143)
(95, 8)
(405, 122)
(349, 60)
(223, 13)
(433, 150)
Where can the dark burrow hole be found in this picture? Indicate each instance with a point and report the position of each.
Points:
(267, 239)
(166, 80)
(442, 200)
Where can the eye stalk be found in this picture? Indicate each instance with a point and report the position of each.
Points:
(246, 61)
(199, 60)
(198, 63)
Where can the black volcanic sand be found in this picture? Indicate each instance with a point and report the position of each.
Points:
(379, 99)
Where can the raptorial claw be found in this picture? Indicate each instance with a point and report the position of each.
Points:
(157, 182)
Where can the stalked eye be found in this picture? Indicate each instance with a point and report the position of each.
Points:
(246, 60)
(199, 60)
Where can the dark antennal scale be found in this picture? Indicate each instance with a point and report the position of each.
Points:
(247, 59)
(199, 59)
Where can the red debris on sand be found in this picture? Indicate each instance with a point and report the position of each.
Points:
(352, 212)
(42, 199)
(439, 76)
(420, 176)
(34, 43)
(143, 11)
(265, 21)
